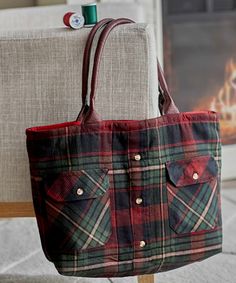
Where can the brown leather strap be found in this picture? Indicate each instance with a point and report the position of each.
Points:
(91, 114)
(166, 104)
(87, 53)
(86, 60)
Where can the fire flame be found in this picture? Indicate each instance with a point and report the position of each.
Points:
(225, 101)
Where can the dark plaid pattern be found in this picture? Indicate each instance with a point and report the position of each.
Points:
(81, 221)
(193, 203)
(171, 163)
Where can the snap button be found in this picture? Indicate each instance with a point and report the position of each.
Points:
(142, 244)
(137, 157)
(139, 200)
(195, 176)
(80, 191)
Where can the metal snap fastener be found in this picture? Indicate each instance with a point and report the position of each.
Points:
(137, 157)
(139, 200)
(80, 191)
(195, 176)
(142, 244)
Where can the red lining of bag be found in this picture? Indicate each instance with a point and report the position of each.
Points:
(108, 122)
(53, 126)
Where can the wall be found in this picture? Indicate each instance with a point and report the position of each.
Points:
(4, 4)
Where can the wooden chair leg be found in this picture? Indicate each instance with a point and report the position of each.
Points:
(146, 278)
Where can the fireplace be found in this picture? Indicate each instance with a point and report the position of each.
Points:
(200, 58)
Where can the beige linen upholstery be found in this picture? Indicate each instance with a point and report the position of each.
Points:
(40, 83)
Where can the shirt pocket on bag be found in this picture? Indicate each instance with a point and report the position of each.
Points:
(78, 209)
(193, 194)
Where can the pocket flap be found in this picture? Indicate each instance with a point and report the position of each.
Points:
(76, 185)
(199, 169)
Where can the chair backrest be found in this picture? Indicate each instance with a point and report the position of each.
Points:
(40, 75)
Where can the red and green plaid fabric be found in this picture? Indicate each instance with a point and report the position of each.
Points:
(122, 198)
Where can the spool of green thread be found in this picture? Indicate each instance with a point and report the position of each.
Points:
(89, 12)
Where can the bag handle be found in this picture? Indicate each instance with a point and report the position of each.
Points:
(166, 104)
(91, 115)
(86, 60)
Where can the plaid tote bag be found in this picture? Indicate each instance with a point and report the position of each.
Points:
(118, 198)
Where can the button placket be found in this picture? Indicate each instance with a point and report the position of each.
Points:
(137, 198)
